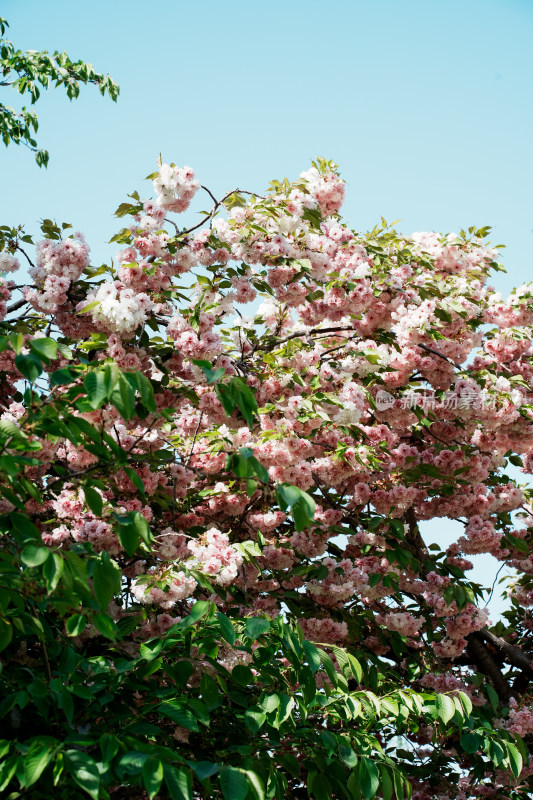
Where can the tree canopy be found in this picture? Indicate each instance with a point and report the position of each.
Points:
(213, 579)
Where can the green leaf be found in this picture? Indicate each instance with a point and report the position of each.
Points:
(52, 571)
(107, 580)
(132, 763)
(515, 759)
(496, 752)
(239, 463)
(123, 397)
(368, 777)
(29, 366)
(228, 631)
(178, 781)
(129, 532)
(312, 655)
(10, 430)
(319, 786)
(387, 787)
(46, 348)
(37, 759)
(93, 500)
(493, 697)
(17, 341)
(136, 480)
(128, 538)
(301, 504)
(445, 707)
(236, 393)
(211, 375)
(141, 526)
(150, 650)
(398, 781)
(75, 624)
(285, 709)
(34, 556)
(251, 487)
(328, 666)
(256, 785)
(146, 391)
(152, 776)
(287, 495)
(355, 666)
(6, 633)
(257, 626)
(466, 702)
(88, 307)
(254, 718)
(259, 470)
(92, 434)
(470, 742)
(199, 610)
(25, 526)
(242, 674)
(96, 388)
(109, 746)
(348, 755)
(205, 769)
(61, 377)
(269, 702)
(106, 626)
(179, 713)
(84, 771)
(233, 783)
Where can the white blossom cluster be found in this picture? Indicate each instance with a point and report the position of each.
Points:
(120, 312)
(175, 187)
(8, 262)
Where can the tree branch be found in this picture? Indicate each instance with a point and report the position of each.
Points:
(481, 657)
(439, 354)
(16, 306)
(514, 654)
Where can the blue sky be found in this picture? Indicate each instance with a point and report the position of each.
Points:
(425, 105)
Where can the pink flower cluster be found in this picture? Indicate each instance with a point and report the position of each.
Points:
(325, 630)
(175, 187)
(177, 586)
(402, 622)
(8, 262)
(520, 719)
(215, 557)
(328, 190)
(58, 265)
(481, 537)
(469, 620)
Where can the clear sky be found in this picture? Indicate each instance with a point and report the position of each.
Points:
(426, 106)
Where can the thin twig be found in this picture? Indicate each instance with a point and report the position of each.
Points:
(438, 353)
(47, 663)
(24, 253)
(261, 346)
(493, 584)
(217, 204)
(189, 456)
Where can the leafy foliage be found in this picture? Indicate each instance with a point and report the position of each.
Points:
(25, 72)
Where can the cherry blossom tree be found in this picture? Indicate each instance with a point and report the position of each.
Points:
(216, 454)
